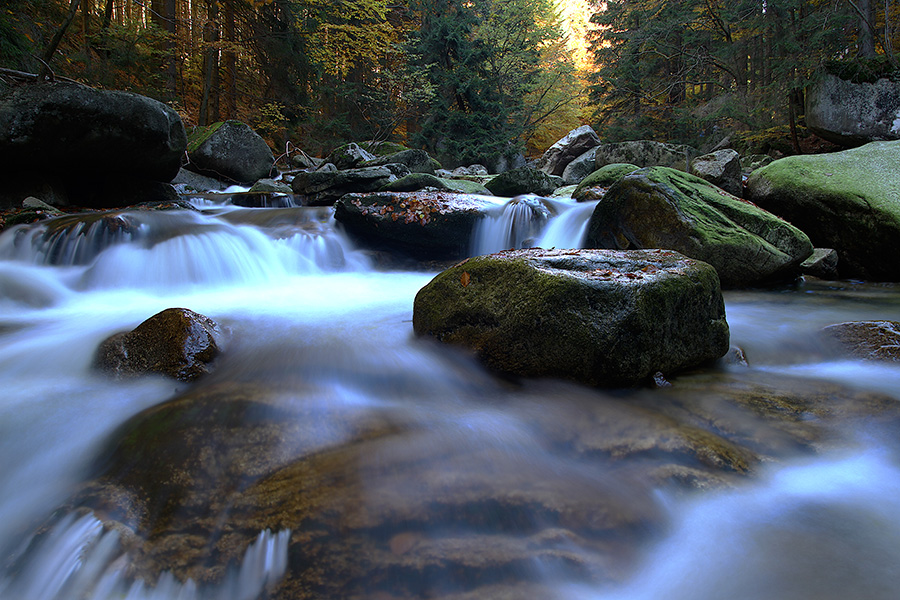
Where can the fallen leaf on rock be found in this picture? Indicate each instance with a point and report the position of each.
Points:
(465, 278)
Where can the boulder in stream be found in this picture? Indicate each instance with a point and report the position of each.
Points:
(424, 225)
(848, 201)
(524, 180)
(599, 317)
(659, 207)
(323, 187)
(86, 132)
(230, 150)
(176, 342)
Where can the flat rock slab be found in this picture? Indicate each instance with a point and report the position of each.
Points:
(600, 317)
(869, 340)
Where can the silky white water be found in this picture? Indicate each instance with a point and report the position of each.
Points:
(291, 290)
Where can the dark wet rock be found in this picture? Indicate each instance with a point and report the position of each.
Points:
(645, 153)
(417, 161)
(722, 169)
(558, 156)
(425, 225)
(822, 264)
(177, 342)
(524, 180)
(230, 151)
(869, 340)
(349, 156)
(568, 313)
(596, 184)
(660, 207)
(188, 181)
(843, 200)
(86, 132)
(580, 167)
(111, 191)
(270, 186)
(420, 181)
(324, 187)
(851, 114)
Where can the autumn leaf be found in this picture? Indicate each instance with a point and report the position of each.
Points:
(465, 278)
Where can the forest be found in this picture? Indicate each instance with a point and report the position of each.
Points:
(463, 78)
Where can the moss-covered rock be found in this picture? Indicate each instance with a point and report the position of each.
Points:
(659, 207)
(424, 225)
(417, 161)
(348, 156)
(176, 342)
(849, 201)
(594, 316)
(524, 180)
(594, 186)
(231, 151)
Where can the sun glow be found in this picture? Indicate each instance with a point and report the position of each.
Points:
(576, 16)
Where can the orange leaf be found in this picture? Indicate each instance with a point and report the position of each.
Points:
(465, 278)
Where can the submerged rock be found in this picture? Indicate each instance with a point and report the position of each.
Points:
(598, 317)
(849, 201)
(424, 225)
(660, 207)
(869, 340)
(177, 342)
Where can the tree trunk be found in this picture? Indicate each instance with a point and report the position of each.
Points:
(230, 63)
(57, 38)
(866, 29)
(209, 101)
(171, 48)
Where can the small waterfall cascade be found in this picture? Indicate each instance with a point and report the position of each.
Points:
(162, 249)
(516, 224)
(79, 558)
(533, 222)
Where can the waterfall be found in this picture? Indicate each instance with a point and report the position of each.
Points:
(84, 560)
(533, 221)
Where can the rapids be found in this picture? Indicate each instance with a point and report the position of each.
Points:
(293, 292)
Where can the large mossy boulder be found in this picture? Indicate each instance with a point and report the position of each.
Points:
(423, 225)
(594, 316)
(850, 113)
(849, 201)
(176, 342)
(524, 180)
(82, 131)
(658, 207)
(595, 185)
(231, 151)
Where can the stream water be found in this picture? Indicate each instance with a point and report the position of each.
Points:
(285, 282)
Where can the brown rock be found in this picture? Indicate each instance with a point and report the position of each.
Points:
(177, 342)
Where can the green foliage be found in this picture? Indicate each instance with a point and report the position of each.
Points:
(678, 70)
(483, 59)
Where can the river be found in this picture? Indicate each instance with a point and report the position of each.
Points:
(296, 297)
